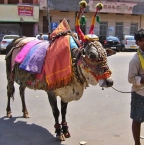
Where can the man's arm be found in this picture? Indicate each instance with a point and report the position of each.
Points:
(134, 74)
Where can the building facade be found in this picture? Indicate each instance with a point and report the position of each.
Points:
(19, 17)
(118, 17)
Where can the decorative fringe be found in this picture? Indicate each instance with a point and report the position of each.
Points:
(83, 20)
(60, 83)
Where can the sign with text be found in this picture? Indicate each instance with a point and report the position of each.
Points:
(113, 7)
(25, 10)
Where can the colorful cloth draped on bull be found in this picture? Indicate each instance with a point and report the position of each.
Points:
(58, 65)
(51, 64)
(35, 57)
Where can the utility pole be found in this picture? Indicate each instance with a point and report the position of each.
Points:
(48, 17)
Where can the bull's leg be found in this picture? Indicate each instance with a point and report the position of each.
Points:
(10, 92)
(64, 123)
(10, 86)
(22, 95)
(53, 102)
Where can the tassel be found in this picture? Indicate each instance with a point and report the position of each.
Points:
(83, 20)
(98, 18)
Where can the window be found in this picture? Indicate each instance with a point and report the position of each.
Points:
(13, 1)
(45, 24)
(103, 28)
(133, 28)
(119, 29)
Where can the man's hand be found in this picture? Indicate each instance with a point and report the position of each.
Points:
(142, 79)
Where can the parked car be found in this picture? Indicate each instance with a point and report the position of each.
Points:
(111, 42)
(5, 41)
(45, 36)
(128, 42)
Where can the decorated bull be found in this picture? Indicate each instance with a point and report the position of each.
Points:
(61, 67)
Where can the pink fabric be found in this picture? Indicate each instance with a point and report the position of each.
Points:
(21, 55)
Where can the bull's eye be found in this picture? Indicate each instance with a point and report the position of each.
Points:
(92, 56)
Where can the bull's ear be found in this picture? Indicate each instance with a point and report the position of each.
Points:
(110, 52)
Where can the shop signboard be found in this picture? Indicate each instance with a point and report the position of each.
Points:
(19, 13)
(25, 10)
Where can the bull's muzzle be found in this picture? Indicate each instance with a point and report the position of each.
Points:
(106, 82)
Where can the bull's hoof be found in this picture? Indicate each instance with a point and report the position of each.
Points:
(67, 135)
(9, 115)
(60, 137)
(26, 115)
(65, 129)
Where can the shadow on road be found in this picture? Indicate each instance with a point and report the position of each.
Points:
(14, 132)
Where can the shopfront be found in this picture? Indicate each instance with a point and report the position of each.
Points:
(19, 19)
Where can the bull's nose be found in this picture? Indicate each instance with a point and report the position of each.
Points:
(109, 82)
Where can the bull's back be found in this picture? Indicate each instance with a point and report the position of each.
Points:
(12, 44)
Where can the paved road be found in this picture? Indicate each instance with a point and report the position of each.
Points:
(100, 117)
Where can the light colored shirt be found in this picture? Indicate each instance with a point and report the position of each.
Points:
(135, 73)
(41, 38)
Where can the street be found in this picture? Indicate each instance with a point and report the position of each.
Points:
(100, 117)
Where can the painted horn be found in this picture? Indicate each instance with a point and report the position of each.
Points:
(83, 5)
(99, 6)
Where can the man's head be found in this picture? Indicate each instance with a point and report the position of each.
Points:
(40, 34)
(139, 37)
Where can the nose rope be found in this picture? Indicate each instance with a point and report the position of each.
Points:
(125, 91)
(120, 91)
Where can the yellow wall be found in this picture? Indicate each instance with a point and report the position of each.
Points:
(127, 19)
(9, 13)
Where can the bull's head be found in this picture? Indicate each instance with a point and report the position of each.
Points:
(93, 61)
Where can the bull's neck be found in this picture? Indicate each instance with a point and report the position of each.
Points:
(76, 55)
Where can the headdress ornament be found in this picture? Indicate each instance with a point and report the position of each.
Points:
(83, 5)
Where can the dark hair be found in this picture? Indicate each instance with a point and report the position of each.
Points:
(139, 34)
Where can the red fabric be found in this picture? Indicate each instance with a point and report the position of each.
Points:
(58, 67)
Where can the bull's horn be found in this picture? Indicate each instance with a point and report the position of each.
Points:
(83, 5)
(99, 6)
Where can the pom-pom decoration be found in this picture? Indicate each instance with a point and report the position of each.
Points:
(83, 4)
(98, 18)
(83, 20)
(99, 6)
